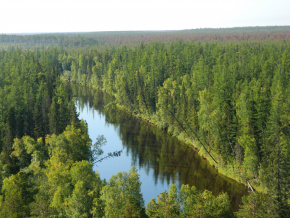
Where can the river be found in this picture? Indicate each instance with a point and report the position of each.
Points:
(159, 158)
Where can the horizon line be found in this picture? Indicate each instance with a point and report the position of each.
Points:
(108, 31)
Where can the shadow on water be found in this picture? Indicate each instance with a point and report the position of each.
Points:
(153, 149)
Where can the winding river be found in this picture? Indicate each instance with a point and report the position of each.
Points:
(159, 158)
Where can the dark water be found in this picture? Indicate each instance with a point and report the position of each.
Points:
(159, 158)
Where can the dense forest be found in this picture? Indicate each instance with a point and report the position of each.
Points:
(129, 38)
(225, 92)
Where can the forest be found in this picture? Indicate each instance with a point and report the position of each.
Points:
(222, 91)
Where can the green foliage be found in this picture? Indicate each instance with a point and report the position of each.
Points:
(166, 205)
(225, 96)
(196, 203)
(122, 196)
(250, 163)
(13, 204)
(232, 97)
(188, 202)
(258, 205)
(79, 203)
(74, 143)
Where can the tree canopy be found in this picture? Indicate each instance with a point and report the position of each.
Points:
(225, 91)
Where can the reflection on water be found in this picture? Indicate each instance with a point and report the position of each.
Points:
(159, 158)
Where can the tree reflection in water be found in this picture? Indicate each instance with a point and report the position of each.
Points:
(153, 149)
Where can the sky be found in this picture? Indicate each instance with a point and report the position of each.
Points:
(39, 16)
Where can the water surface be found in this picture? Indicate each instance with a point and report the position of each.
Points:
(159, 158)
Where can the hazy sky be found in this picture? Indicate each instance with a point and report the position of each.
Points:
(24, 16)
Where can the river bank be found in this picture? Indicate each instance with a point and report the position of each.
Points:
(168, 157)
(231, 171)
